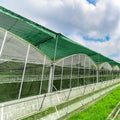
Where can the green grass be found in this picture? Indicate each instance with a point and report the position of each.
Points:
(101, 109)
(60, 106)
(117, 117)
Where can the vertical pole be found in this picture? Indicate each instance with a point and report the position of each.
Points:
(93, 77)
(97, 74)
(61, 75)
(55, 47)
(112, 77)
(94, 82)
(89, 75)
(84, 75)
(53, 77)
(71, 73)
(101, 71)
(3, 43)
(2, 112)
(108, 78)
(89, 72)
(42, 74)
(26, 59)
(105, 77)
(50, 78)
(84, 78)
(117, 75)
(78, 70)
(52, 68)
(84, 69)
(106, 72)
(79, 67)
(89, 69)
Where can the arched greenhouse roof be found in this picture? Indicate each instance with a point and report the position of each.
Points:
(116, 68)
(54, 45)
(79, 58)
(105, 66)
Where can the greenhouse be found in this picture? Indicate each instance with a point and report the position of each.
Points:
(41, 70)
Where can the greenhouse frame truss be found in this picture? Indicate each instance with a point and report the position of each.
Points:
(36, 61)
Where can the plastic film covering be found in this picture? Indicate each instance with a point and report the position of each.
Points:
(105, 72)
(36, 74)
(116, 68)
(116, 72)
(21, 74)
(74, 71)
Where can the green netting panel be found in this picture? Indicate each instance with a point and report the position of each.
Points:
(65, 47)
(23, 27)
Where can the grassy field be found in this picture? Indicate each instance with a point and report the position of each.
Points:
(118, 117)
(101, 109)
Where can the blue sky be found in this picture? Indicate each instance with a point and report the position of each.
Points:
(106, 38)
(92, 2)
(92, 23)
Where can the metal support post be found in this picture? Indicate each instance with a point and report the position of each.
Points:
(78, 84)
(51, 78)
(2, 112)
(71, 73)
(61, 75)
(3, 43)
(97, 74)
(68, 100)
(24, 71)
(84, 76)
(42, 75)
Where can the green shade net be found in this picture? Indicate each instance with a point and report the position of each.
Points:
(45, 39)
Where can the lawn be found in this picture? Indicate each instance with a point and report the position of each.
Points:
(101, 109)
